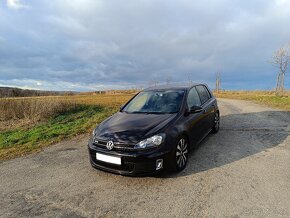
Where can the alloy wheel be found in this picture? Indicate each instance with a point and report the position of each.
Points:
(181, 153)
(217, 121)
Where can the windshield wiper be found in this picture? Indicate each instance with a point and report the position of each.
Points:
(148, 112)
(136, 112)
(156, 112)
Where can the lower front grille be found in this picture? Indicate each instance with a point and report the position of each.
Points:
(126, 166)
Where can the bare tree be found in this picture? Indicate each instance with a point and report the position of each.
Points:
(281, 60)
(218, 82)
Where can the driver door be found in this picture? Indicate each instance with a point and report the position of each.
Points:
(195, 121)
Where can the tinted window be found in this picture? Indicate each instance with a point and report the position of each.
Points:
(193, 98)
(203, 94)
(167, 101)
(208, 92)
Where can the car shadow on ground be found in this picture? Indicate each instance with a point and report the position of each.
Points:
(240, 136)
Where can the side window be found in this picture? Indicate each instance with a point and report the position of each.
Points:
(203, 94)
(193, 98)
(208, 92)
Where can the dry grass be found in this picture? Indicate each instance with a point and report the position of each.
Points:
(33, 109)
(29, 111)
(243, 93)
(109, 100)
(262, 97)
(30, 123)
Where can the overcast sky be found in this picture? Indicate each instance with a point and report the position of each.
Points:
(93, 44)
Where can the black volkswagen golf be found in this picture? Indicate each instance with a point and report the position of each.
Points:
(155, 130)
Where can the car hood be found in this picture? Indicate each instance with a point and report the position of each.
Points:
(126, 127)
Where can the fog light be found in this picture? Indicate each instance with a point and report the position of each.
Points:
(159, 164)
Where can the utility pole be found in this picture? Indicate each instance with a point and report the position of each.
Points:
(218, 82)
(168, 80)
(189, 79)
(153, 83)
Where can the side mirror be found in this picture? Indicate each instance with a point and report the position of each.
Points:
(121, 107)
(195, 109)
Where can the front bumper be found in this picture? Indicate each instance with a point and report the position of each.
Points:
(132, 163)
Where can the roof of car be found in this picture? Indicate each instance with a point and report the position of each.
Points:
(168, 87)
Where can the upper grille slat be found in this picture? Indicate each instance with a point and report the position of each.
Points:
(118, 146)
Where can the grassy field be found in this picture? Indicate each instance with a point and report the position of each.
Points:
(261, 97)
(29, 124)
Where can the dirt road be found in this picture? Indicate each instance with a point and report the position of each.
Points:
(243, 171)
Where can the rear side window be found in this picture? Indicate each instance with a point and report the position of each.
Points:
(193, 98)
(203, 94)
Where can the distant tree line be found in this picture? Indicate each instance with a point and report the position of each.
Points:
(8, 92)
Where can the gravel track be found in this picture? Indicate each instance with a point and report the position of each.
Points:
(243, 171)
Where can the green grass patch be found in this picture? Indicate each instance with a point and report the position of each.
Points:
(79, 120)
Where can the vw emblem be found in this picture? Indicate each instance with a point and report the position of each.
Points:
(110, 145)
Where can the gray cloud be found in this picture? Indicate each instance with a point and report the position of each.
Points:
(90, 44)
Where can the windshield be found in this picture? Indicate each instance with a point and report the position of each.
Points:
(164, 101)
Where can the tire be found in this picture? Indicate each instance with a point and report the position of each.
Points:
(216, 124)
(179, 157)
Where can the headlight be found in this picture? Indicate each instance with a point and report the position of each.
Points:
(153, 141)
(93, 133)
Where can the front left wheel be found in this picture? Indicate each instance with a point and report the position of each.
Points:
(216, 124)
(180, 155)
